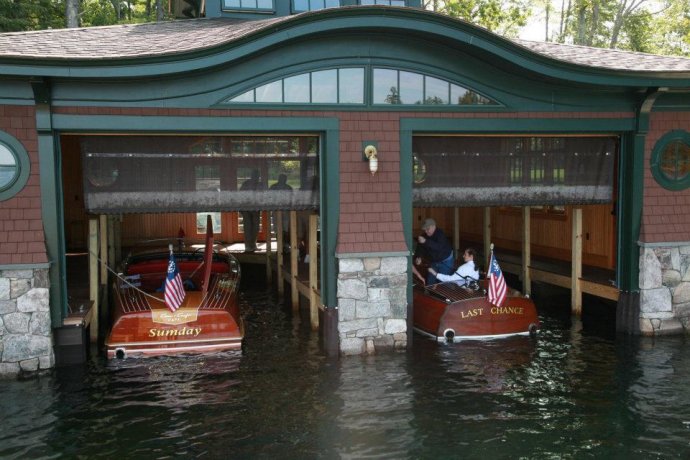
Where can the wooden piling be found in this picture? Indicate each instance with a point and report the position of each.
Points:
(93, 277)
(526, 254)
(313, 272)
(576, 271)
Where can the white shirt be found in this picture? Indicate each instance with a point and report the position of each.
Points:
(465, 270)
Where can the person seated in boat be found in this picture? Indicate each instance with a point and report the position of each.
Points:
(465, 273)
(437, 249)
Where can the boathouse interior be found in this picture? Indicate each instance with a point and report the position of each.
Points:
(547, 203)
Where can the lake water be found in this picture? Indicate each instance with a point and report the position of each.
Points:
(577, 391)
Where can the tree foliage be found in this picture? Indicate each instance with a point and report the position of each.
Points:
(653, 26)
(18, 15)
(504, 17)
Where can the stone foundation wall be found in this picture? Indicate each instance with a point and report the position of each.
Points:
(372, 304)
(665, 290)
(26, 341)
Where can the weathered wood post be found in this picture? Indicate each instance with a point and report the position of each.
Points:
(294, 255)
(279, 249)
(487, 234)
(576, 270)
(93, 277)
(526, 254)
(313, 272)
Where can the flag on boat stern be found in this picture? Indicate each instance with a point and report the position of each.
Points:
(174, 290)
(497, 284)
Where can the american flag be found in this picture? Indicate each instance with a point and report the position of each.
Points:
(497, 284)
(174, 290)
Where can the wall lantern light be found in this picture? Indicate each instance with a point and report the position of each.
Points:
(371, 153)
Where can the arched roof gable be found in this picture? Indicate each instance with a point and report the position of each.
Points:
(193, 45)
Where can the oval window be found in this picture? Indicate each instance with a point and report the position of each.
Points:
(14, 166)
(671, 160)
(9, 168)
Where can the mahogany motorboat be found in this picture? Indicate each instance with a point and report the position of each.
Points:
(205, 317)
(449, 312)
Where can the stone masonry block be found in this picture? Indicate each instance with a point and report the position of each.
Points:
(21, 347)
(34, 300)
(19, 287)
(350, 326)
(650, 270)
(655, 300)
(346, 309)
(352, 346)
(8, 306)
(350, 265)
(17, 323)
(372, 264)
(681, 294)
(394, 326)
(393, 265)
(352, 289)
(374, 309)
(4, 289)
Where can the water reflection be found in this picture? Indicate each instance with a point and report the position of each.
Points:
(568, 394)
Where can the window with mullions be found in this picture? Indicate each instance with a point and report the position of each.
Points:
(248, 4)
(331, 86)
(400, 87)
(312, 5)
(383, 2)
(670, 160)
(346, 86)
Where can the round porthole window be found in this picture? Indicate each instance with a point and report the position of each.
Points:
(14, 166)
(8, 167)
(671, 160)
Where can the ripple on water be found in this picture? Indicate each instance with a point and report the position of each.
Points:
(566, 394)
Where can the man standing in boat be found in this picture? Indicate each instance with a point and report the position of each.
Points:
(437, 249)
(251, 219)
(464, 274)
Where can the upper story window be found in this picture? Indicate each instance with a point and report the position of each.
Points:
(332, 86)
(14, 166)
(670, 160)
(383, 2)
(248, 4)
(312, 5)
(347, 86)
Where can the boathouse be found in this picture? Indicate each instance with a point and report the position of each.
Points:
(380, 116)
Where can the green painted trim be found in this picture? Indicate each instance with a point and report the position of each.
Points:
(25, 267)
(166, 124)
(23, 163)
(330, 214)
(411, 22)
(406, 180)
(630, 198)
(654, 161)
(52, 212)
(518, 126)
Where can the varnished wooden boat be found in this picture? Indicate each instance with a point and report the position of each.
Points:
(208, 319)
(448, 312)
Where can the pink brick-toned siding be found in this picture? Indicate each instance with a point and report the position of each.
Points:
(665, 213)
(22, 240)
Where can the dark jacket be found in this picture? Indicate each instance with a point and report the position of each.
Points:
(436, 248)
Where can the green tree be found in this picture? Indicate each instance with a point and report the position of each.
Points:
(18, 15)
(637, 25)
(504, 17)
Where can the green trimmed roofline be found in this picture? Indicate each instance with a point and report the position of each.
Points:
(406, 22)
